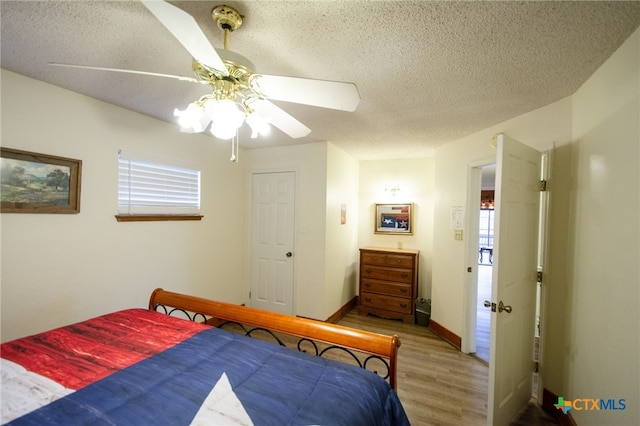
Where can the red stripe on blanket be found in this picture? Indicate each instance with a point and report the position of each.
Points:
(79, 354)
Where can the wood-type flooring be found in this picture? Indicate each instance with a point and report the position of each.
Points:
(438, 384)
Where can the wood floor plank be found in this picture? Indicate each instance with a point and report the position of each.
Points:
(437, 384)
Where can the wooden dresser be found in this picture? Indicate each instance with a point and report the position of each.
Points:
(388, 283)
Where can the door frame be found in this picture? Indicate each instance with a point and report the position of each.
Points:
(474, 174)
(515, 189)
(543, 257)
(472, 225)
(248, 226)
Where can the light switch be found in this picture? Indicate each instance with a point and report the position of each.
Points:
(458, 234)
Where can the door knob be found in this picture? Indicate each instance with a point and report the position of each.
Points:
(289, 254)
(503, 307)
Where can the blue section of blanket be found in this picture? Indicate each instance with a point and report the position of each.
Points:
(276, 386)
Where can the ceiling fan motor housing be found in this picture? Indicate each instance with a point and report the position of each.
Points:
(226, 17)
(239, 70)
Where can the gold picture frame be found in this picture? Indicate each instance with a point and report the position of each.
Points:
(38, 183)
(394, 219)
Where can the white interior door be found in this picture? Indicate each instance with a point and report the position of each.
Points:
(272, 237)
(514, 279)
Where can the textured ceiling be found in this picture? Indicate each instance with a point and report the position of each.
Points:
(428, 72)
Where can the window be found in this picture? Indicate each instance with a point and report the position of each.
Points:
(153, 190)
(486, 228)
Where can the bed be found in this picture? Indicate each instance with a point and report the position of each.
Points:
(188, 360)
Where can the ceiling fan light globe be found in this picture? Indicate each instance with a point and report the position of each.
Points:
(264, 131)
(192, 119)
(226, 110)
(200, 126)
(258, 124)
(222, 131)
(226, 118)
(186, 129)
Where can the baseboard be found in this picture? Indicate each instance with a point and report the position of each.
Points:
(549, 399)
(447, 335)
(344, 310)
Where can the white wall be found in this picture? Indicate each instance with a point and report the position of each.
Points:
(325, 252)
(415, 177)
(602, 338)
(591, 328)
(60, 268)
(309, 162)
(341, 239)
(540, 129)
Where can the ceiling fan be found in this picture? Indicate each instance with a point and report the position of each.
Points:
(238, 93)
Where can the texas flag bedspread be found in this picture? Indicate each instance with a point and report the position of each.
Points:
(141, 367)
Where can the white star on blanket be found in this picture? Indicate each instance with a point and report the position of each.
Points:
(221, 407)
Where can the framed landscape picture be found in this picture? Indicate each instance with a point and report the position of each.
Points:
(394, 219)
(38, 183)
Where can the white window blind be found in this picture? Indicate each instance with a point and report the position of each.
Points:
(150, 187)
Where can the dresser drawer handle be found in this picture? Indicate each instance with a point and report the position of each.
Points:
(367, 285)
(403, 305)
(367, 299)
(368, 271)
(404, 290)
(404, 275)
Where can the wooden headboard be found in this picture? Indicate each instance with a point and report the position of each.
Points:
(376, 346)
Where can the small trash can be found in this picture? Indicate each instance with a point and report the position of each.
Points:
(423, 311)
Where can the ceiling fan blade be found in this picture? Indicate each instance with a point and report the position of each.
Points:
(154, 74)
(322, 93)
(186, 30)
(279, 118)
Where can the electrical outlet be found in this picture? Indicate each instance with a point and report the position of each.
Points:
(458, 234)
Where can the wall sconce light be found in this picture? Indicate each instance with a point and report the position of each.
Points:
(392, 189)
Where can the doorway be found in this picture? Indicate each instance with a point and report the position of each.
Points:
(513, 302)
(272, 240)
(485, 261)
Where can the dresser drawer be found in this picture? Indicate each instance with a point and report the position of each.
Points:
(383, 287)
(383, 259)
(387, 274)
(389, 303)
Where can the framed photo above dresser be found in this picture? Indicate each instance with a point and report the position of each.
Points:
(394, 219)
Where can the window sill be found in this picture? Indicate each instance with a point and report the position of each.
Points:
(155, 217)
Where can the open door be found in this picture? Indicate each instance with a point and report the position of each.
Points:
(513, 302)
